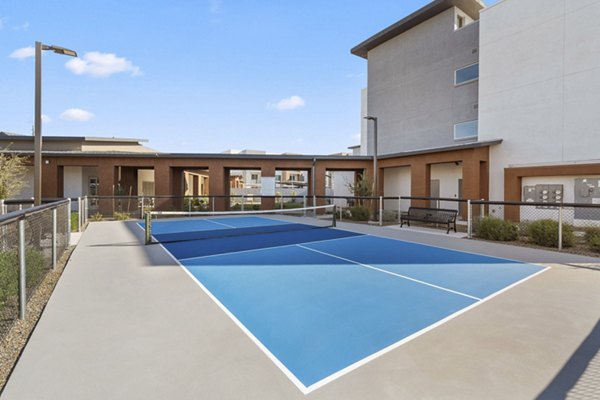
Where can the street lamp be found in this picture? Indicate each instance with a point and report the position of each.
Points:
(37, 156)
(375, 172)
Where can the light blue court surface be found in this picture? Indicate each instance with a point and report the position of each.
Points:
(322, 300)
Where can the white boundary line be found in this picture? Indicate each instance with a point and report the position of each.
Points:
(266, 248)
(393, 273)
(220, 223)
(407, 339)
(236, 321)
(306, 390)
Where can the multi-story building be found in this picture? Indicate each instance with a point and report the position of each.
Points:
(517, 83)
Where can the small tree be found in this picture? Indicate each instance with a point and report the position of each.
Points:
(12, 174)
(363, 187)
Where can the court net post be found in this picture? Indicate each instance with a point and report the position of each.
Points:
(148, 228)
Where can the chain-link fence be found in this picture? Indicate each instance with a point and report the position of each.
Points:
(557, 225)
(31, 242)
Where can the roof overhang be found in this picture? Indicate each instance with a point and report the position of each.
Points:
(470, 7)
(473, 145)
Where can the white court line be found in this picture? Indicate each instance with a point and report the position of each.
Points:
(240, 325)
(306, 390)
(265, 248)
(392, 273)
(220, 223)
(415, 335)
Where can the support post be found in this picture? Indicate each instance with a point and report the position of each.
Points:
(54, 238)
(334, 215)
(380, 210)
(304, 204)
(469, 219)
(243, 201)
(69, 223)
(2, 207)
(560, 227)
(147, 228)
(22, 271)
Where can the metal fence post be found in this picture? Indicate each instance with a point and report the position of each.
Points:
(22, 272)
(560, 227)
(1, 206)
(380, 210)
(314, 204)
(469, 219)
(304, 204)
(482, 209)
(69, 223)
(54, 238)
(399, 208)
(79, 214)
(142, 208)
(85, 210)
(243, 201)
(148, 228)
(334, 215)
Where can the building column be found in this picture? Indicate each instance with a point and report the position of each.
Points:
(218, 186)
(51, 185)
(267, 203)
(420, 183)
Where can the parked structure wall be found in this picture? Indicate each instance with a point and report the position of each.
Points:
(539, 90)
(411, 86)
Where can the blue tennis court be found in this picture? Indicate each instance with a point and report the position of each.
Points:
(321, 302)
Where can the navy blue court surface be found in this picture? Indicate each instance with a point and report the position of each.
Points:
(321, 302)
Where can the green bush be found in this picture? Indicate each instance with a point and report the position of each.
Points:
(97, 217)
(9, 272)
(360, 213)
(74, 221)
(545, 233)
(594, 243)
(491, 228)
(121, 216)
(591, 234)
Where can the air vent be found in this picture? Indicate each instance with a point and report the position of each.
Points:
(474, 51)
(476, 106)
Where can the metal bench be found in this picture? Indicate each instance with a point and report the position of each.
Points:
(431, 215)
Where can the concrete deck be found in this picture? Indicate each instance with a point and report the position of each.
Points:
(126, 323)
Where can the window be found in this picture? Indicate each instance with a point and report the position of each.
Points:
(466, 130)
(460, 21)
(254, 177)
(466, 74)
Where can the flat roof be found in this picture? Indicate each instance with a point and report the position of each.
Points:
(106, 154)
(430, 150)
(470, 7)
(11, 137)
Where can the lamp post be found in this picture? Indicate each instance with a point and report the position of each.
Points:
(375, 172)
(37, 142)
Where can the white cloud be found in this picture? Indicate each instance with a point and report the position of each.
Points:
(102, 65)
(46, 119)
(287, 104)
(76, 114)
(356, 136)
(23, 53)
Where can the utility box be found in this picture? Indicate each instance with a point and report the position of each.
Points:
(587, 191)
(551, 194)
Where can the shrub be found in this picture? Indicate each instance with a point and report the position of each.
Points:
(97, 217)
(491, 228)
(9, 272)
(545, 233)
(360, 213)
(74, 220)
(594, 243)
(591, 234)
(121, 216)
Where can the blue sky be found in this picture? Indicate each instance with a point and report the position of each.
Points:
(194, 75)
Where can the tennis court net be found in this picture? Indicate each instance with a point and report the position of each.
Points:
(181, 226)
